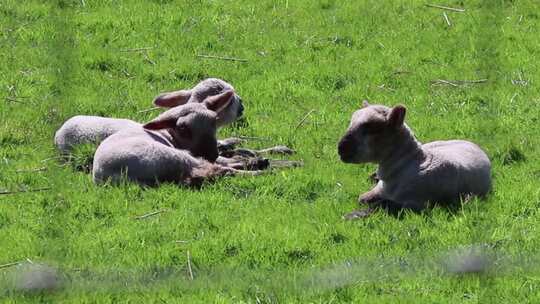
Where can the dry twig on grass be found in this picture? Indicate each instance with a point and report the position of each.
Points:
(446, 19)
(9, 265)
(52, 158)
(18, 100)
(520, 81)
(303, 120)
(142, 217)
(147, 59)
(384, 87)
(457, 83)
(222, 58)
(459, 10)
(6, 192)
(31, 170)
(189, 266)
(142, 49)
(181, 242)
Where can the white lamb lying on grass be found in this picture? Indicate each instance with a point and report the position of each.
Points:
(411, 174)
(82, 129)
(178, 146)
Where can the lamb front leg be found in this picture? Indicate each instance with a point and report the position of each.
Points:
(240, 163)
(371, 198)
(229, 144)
(243, 152)
(284, 150)
(209, 172)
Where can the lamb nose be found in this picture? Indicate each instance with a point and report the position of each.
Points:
(213, 157)
(343, 146)
(240, 110)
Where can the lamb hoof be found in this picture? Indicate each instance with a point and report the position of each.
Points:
(238, 153)
(229, 144)
(244, 153)
(232, 141)
(358, 214)
(258, 163)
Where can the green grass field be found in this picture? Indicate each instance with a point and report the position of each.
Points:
(279, 237)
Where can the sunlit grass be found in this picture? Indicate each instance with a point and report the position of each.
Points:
(260, 239)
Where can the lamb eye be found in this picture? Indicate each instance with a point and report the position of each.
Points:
(183, 130)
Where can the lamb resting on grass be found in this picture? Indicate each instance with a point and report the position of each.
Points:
(229, 155)
(178, 146)
(411, 174)
(83, 129)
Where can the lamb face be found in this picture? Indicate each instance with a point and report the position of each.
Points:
(372, 134)
(198, 94)
(193, 126)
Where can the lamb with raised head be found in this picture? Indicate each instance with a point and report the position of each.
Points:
(199, 93)
(178, 146)
(411, 174)
(83, 129)
(204, 89)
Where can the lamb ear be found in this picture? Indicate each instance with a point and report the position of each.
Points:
(219, 102)
(160, 123)
(396, 117)
(365, 104)
(172, 99)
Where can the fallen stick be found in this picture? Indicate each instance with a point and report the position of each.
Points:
(13, 99)
(51, 158)
(221, 58)
(446, 19)
(5, 192)
(9, 265)
(303, 119)
(189, 266)
(147, 59)
(141, 217)
(181, 242)
(32, 170)
(459, 10)
(439, 81)
(137, 49)
(471, 81)
(457, 83)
